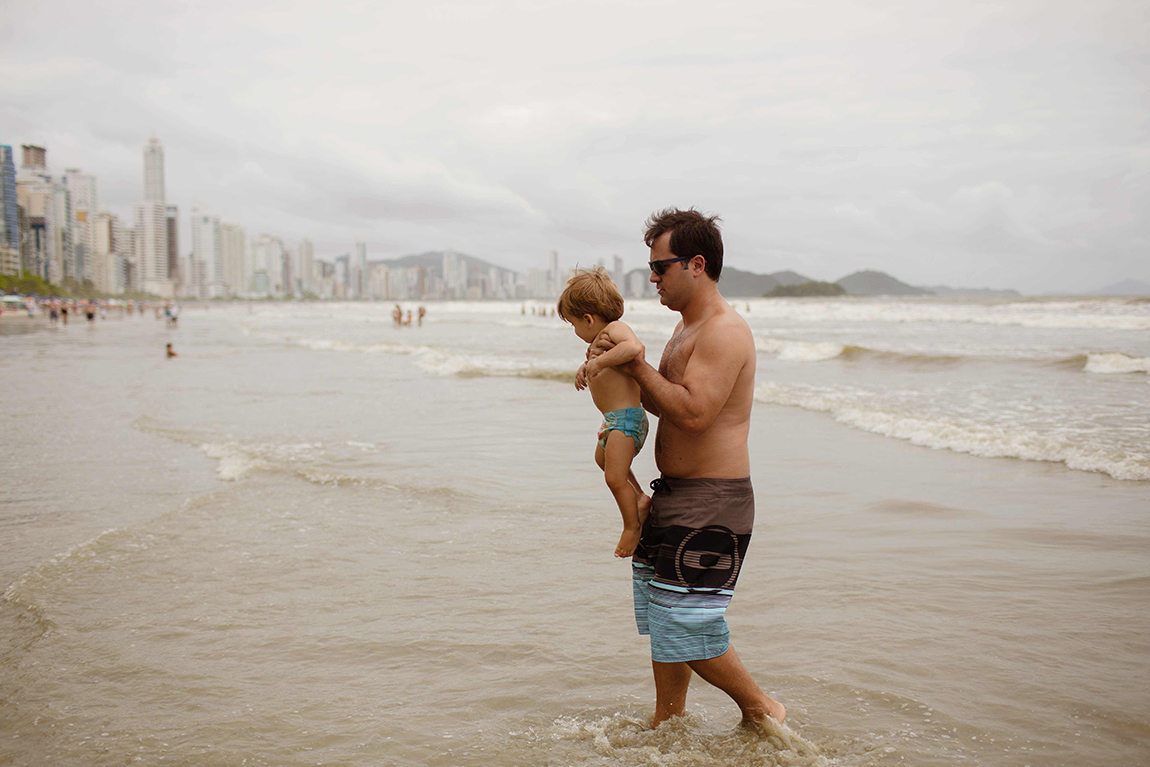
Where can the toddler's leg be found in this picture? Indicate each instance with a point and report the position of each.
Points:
(644, 504)
(617, 472)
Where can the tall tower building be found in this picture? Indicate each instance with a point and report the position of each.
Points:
(42, 242)
(153, 272)
(173, 213)
(234, 254)
(82, 210)
(9, 214)
(557, 281)
(154, 190)
(207, 277)
(9, 220)
(359, 266)
(306, 267)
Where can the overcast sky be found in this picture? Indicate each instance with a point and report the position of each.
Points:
(998, 144)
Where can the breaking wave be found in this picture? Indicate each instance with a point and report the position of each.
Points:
(961, 435)
(447, 362)
(799, 351)
(1115, 362)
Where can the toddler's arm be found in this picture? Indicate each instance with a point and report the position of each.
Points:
(627, 347)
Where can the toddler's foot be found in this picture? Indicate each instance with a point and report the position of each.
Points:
(627, 543)
(644, 508)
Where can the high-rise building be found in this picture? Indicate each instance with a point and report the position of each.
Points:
(9, 214)
(125, 240)
(154, 189)
(234, 254)
(267, 266)
(306, 267)
(454, 275)
(557, 280)
(151, 225)
(109, 261)
(341, 276)
(9, 218)
(36, 199)
(173, 214)
(153, 271)
(82, 208)
(207, 277)
(617, 273)
(359, 274)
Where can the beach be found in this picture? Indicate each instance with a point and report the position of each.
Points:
(315, 538)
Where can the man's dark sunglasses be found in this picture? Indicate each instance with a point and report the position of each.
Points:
(660, 267)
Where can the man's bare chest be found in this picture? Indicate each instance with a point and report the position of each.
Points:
(676, 354)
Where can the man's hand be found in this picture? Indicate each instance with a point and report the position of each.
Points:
(603, 344)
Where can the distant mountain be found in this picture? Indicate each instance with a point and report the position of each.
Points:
(872, 283)
(789, 278)
(735, 283)
(946, 290)
(807, 289)
(1127, 287)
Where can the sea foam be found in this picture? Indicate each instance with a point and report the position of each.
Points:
(961, 435)
(1115, 362)
(799, 351)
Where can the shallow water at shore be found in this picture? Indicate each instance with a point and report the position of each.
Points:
(271, 551)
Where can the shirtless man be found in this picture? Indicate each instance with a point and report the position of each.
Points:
(694, 541)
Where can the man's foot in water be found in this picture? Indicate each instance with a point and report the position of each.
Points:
(770, 707)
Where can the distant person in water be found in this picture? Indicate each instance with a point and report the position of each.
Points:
(422, 311)
(171, 352)
(591, 303)
(695, 538)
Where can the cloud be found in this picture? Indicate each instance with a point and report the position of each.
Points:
(990, 142)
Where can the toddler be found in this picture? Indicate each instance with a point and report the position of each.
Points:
(593, 305)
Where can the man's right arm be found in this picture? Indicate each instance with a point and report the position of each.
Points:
(708, 379)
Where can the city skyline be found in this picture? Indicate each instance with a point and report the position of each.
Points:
(62, 233)
(995, 145)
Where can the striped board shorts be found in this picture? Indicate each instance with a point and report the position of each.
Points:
(684, 570)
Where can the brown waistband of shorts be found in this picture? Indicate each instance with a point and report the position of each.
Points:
(706, 484)
(703, 502)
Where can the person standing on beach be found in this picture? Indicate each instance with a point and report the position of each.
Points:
(695, 538)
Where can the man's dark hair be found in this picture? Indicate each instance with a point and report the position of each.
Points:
(692, 234)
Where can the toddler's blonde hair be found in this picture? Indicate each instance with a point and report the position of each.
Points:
(591, 291)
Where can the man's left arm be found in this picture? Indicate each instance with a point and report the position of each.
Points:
(626, 347)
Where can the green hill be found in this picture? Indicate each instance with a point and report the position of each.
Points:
(806, 289)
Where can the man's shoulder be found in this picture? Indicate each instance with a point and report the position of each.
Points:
(727, 324)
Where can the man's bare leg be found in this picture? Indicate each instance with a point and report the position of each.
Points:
(729, 674)
(671, 681)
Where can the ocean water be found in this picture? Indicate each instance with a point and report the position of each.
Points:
(314, 538)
